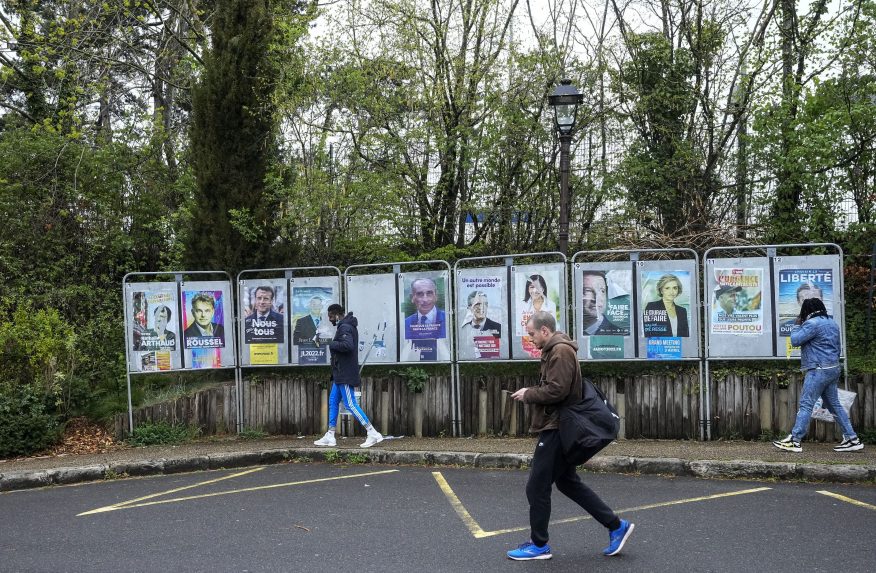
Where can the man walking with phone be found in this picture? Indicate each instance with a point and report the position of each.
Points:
(559, 385)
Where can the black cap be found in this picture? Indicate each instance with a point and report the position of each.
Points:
(723, 289)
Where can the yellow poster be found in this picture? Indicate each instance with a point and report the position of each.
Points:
(264, 354)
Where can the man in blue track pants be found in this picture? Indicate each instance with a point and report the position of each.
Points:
(345, 377)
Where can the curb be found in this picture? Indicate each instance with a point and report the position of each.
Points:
(707, 469)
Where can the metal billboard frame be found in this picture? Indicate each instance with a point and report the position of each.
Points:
(634, 257)
(449, 312)
(178, 279)
(770, 251)
(288, 273)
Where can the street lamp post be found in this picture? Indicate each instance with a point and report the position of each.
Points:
(565, 100)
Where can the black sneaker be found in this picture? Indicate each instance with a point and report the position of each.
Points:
(789, 445)
(849, 445)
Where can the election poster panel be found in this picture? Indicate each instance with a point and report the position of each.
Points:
(153, 332)
(737, 302)
(482, 307)
(312, 330)
(603, 310)
(207, 310)
(422, 312)
(263, 306)
(666, 313)
(739, 314)
(795, 286)
(797, 278)
(536, 288)
(372, 300)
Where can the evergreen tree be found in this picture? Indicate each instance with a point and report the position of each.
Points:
(232, 141)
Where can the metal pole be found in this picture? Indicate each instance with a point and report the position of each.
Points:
(565, 144)
(870, 299)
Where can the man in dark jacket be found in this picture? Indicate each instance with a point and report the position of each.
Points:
(345, 376)
(559, 385)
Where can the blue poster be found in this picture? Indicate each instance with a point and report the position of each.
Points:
(664, 348)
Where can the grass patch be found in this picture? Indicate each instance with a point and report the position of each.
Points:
(252, 434)
(162, 433)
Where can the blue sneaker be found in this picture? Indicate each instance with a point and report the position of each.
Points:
(618, 537)
(529, 550)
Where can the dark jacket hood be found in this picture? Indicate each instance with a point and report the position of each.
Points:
(349, 319)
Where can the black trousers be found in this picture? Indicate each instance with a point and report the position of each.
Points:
(549, 467)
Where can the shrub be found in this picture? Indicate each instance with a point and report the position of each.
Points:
(26, 427)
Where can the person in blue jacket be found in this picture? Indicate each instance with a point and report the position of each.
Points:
(345, 377)
(818, 337)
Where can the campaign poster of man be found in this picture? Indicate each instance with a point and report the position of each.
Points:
(264, 307)
(313, 331)
(204, 319)
(535, 290)
(667, 302)
(482, 310)
(422, 312)
(155, 322)
(737, 302)
(795, 286)
(605, 302)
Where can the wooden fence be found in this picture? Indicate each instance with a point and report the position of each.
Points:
(666, 407)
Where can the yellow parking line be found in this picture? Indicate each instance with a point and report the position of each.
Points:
(463, 513)
(847, 499)
(199, 484)
(479, 533)
(131, 504)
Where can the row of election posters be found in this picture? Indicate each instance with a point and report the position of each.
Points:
(607, 325)
(621, 310)
(754, 305)
(416, 326)
(179, 325)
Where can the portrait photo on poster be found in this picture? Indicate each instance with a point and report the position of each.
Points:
(482, 315)
(737, 302)
(424, 317)
(797, 285)
(204, 319)
(667, 298)
(535, 290)
(313, 330)
(155, 323)
(605, 297)
(264, 308)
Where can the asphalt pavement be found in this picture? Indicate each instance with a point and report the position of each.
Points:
(306, 516)
(716, 459)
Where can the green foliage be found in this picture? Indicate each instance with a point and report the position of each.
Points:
(27, 427)
(663, 173)
(868, 436)
(415, 378)
(232, 137)
(252, 434)
(162, 433)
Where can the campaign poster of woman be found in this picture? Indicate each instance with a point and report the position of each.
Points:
(536, 289)
(155, 321)
(667, 303)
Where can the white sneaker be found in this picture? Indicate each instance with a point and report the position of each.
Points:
(374, 437)
(327, 440)
(849, 445)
